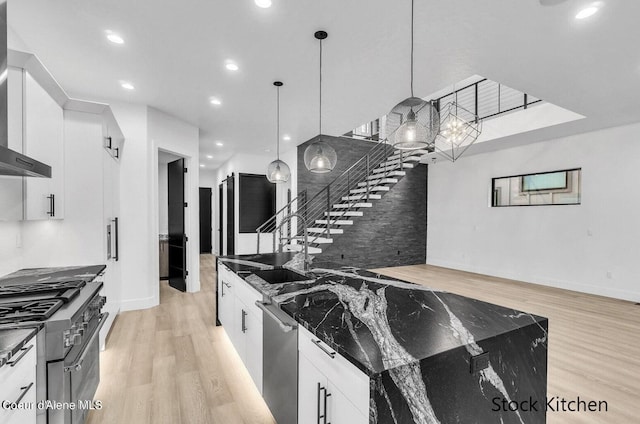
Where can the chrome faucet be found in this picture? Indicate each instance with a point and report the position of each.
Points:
(307, 262)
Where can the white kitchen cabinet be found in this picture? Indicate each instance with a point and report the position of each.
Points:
(18, 378)
(242, 320)
(93, 179)
(43, 140)
(330, 388)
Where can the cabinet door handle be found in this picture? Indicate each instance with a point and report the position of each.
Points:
(244, 321)
(116, 255)
(52, 205)
(326, 394)
(108, 241)
(222, 288)
(107, 142)
(117, 155)
(25, 390)
(328, 352)
(24, 351)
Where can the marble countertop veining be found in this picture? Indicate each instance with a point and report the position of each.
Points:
(53, 274)
(379, 323)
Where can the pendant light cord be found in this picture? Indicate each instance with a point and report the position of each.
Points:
(278, 123)
(320, 120)
(412, 1)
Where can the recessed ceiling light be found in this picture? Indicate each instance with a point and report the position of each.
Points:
(587, 12)
(232, 66)
(209, 157)
(114, 38)
(286, 137)
(263, 3)
(219, 143)
(216, 101)
(202, 165)
(127, 85)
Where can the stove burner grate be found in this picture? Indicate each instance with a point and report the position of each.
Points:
(29, 310)
(12, 290)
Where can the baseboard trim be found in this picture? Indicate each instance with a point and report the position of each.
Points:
(542, 281)
(137, 304)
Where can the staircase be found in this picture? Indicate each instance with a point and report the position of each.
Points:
(330, 212)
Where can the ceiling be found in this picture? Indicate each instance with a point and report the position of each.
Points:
(175, 52)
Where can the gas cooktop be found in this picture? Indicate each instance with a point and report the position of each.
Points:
(53, 289)
(37, 301)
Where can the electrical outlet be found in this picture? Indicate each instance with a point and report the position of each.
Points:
(609, 275)
(479, 362)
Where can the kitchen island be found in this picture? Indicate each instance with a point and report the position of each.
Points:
(429, 356)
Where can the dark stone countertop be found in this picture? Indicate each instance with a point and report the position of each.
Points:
(12, 339)
(379, 323)
(53, 274)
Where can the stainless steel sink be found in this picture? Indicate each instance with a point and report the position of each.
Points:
(280, 275)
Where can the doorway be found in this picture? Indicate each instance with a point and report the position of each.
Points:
(205, 220)
(226, 223)
(175, 218)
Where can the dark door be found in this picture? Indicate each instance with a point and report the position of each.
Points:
(220, 220)
(231, 229)
(205, 220)
(177, 237)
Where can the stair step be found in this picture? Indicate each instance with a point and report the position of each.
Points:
(396, 161)
(352, 205)
(335, 222)
(371, 188)
(311, 238)
(379, 181)
(300, 248)
(387, 175)
(391, 167)
(343, 213)
(410, 153)
(322, 230)
(362, 196)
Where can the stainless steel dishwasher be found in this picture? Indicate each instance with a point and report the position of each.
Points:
(280, 363)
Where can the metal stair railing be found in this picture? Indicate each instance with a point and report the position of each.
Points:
(273, 224)
(322, 203)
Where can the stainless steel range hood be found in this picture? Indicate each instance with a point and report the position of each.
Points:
(12, 162)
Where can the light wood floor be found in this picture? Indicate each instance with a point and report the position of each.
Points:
(170, 364)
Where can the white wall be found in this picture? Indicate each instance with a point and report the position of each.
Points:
(10, 248)
(254, 164)
(592, 247)
(169, 134)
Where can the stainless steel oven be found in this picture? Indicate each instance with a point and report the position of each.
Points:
(73, 379)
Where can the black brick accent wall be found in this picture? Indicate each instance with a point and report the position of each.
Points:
(391, 233)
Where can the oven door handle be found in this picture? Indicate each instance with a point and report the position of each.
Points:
(77, 364)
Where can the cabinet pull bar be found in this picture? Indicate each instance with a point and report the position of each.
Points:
(326, 395)
(52, 205)
(25, 390)
(318, 403)
(244, 321)
(331, 354)
(24, 351)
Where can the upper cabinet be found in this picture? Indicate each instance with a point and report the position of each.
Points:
(43, 140)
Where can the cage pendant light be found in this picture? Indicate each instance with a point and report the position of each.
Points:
(413, 123)
(320, 157)
(278, 171)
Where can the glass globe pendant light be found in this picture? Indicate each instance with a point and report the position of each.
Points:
(418, 120)
(320, 157)
(278, 171)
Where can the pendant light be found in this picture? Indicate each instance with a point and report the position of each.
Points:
(413, 123)
(460, 129)
(278, 171)
(320, 157)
